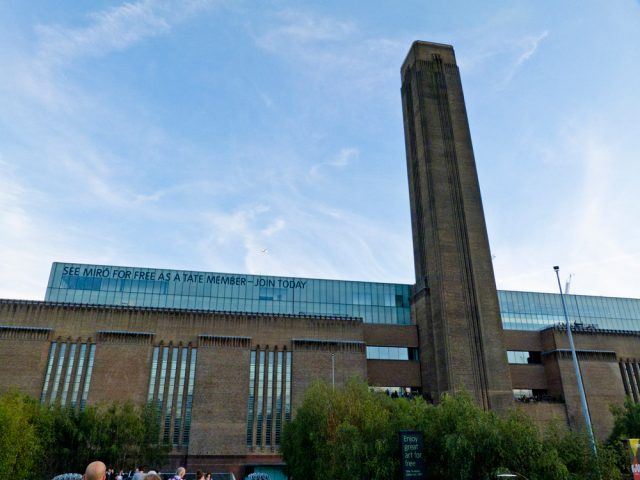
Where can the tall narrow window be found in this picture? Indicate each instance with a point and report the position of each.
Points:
(172, 382)
(260, 398)
(287, 389)
(79, 372)
(56, 381)
(87, 380)
(67, 376)
(47, 376)
(269, 389)
(269, 397)
(154, 374)
(187, 411)
(625, 378)
(278, 398)
(163, 373)
(632, 382)
(250, 405)
(178, 418)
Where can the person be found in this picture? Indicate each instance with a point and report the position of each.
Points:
(199, 475)
(208, 476)
(120, 475)
(180, 473)
(139, 475)
(152, 475)
(95, 471)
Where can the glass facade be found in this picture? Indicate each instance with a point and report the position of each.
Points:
(147, 287)
(530, 395)
(385, 303)
(392, 353)
(522, 357)
(535, 311)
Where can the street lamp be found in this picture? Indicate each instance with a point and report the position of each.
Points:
(576, 366)
(333, 371)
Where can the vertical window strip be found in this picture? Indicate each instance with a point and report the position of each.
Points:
(625, 380)
(154, 374)
(260, 398)
(163, 373)
(287, 388)
(56, 381)
(87, 380)
(636, 377)
(79, 372)
(250, 405)
(269, 398)
(172, 383)
(178, 417)
(47, 376)
(632, 382)
(189, 403)
(67, 377)
(279, 398)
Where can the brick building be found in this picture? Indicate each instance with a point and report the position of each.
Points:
(227, 357)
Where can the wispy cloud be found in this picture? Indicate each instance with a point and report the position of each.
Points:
(115, 28)
(591, 230)
(328, 47)
(341, 160)
(60, 183)
(90, 170)
(297, 29)
(310, 241)
(528, 47)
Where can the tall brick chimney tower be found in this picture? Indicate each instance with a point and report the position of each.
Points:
(455, 302)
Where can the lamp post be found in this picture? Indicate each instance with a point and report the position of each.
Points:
(333, 371)
(576, 366)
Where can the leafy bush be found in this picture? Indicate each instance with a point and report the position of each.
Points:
(39, 441)
(626, 425)
(352, 433)
(20, 445)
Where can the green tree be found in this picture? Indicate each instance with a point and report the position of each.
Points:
(352, 433)
(342, 434)
(463, 441)
(122, 435)
(39, 441)
(19, 442)
(574, 449)
(626, 425)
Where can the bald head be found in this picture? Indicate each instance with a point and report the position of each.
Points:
(95, 471)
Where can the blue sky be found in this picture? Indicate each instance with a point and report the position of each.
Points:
(196, 134)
